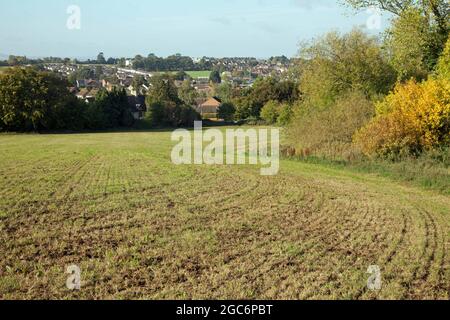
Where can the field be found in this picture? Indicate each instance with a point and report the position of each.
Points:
(140, 227)
(192, 74)
(198, 74)
(3, 69)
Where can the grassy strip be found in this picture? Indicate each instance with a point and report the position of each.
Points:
(431, 172)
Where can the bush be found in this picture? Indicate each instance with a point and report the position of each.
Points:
(226, 111)
(413, 118)
(270, 112)
(329, 131)
(161, 114)
(286, 114)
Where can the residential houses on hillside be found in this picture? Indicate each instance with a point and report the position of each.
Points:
(240, 72)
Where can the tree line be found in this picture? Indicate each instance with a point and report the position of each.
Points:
(34, 100)
(175, 62)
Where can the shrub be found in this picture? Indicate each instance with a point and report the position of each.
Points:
(413, 118)
(161, 114)
(286, 114)
(329, 131)
(226, 111)
(270, 112)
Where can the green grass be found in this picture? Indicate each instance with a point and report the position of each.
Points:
(140, 227)
(192, 74)
(199, 74)
(424, 172)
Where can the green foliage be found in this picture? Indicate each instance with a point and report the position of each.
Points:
(224, 91)
(34, 100)
(163, 90)
(175, 62)
(286, 114)
(226, 111)
(215, 77)
(138, 82)
(181, 76)
(101, 58)
(165, 108)
(443, 68)
(270, 112)
(335, 64)
(414, 45)
(114, 107)
(418, 34)
(187, 93)
(252, 100)
(155, 113)
(329, 131)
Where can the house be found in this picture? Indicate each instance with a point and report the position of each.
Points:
(210, 107)
(82, 93)
(137, 106)
(93, 84)
(87, 95)
(81, 83)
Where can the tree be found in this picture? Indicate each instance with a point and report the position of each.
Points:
(286, 114)
(163, 90)
(114, 106)
(165, 106)
(111, 61)
(137, 83)
(101, 58)
(98, 72)
(413, 118)
(414, 45)
(215, 77)
(335, 64)
(155, 114)
(443, 68)
(181, 76)
(270, 112)
(224, 91)
(32, 100)
(187, 93)
(435, 14)
(264, 90)
(226, 111)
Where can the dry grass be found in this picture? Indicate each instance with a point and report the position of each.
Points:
(140, 227)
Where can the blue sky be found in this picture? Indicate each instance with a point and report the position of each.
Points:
(260, 28)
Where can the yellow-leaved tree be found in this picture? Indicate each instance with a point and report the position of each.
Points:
(413, 118)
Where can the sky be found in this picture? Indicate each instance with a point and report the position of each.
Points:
(124, 28)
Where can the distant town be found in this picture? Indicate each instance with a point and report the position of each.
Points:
(87, 78)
